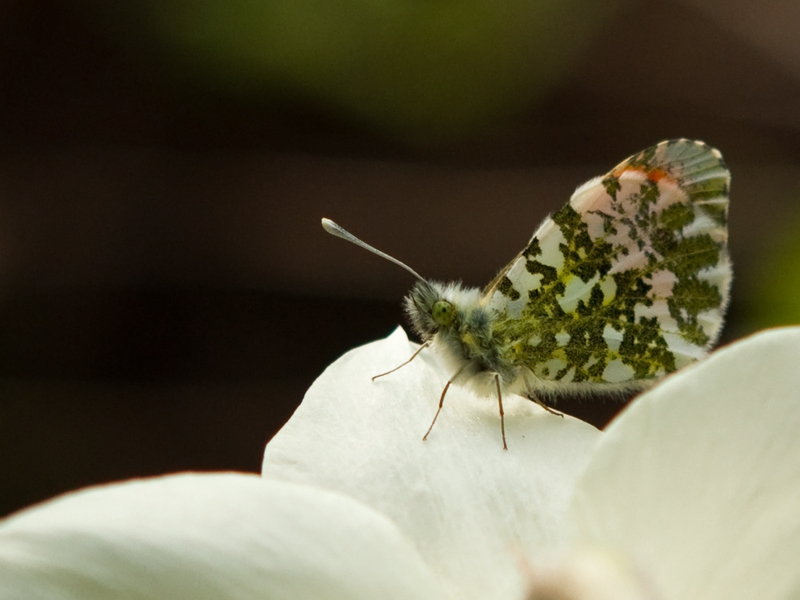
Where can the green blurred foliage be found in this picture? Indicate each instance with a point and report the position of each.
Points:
(415, 69)
(776, 298)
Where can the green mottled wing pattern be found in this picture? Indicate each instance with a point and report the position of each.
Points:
(627, 282)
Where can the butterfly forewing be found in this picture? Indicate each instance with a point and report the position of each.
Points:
(629, 280)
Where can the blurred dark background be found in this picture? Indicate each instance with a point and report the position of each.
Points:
(166, 292)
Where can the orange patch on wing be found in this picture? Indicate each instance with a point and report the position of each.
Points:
(657, 175)
(654, 175)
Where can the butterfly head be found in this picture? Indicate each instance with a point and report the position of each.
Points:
(435, 307)
(428, 309)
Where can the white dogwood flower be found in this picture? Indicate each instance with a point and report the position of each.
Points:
(694, 491)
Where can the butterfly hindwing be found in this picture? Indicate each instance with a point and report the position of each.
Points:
(629, 280)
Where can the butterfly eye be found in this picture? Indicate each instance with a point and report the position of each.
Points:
(442, 313)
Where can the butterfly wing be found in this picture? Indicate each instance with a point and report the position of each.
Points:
(627, 282)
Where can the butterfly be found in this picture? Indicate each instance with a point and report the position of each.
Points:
(626, 283)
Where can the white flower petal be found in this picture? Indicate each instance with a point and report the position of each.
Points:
(215, 536)
(698, 482)
(472, 507)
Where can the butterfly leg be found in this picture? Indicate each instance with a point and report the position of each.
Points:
(413, 356)
(547, 408)
(460, 373)
(436, 416)
(500, 402)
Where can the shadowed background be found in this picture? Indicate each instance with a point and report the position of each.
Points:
(166, 292)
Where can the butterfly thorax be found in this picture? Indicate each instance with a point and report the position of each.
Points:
(452, 319)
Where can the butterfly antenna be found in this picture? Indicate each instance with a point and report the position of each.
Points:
(334, 229)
